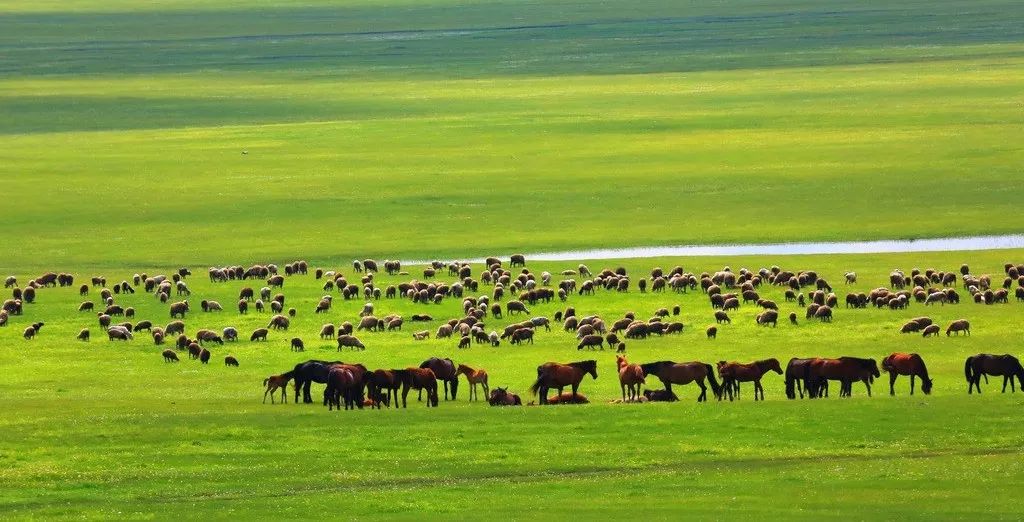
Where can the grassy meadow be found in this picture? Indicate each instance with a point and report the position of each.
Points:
(107, 429)
(144, 136)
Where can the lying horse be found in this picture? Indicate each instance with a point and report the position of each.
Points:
(557, 375)
(501, 397)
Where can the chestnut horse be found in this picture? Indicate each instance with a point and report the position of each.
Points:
(383, 381)
(419, 379)
(734, 373)
(474, 377)
(501, 397)
(274, 383)
(557, 375)
(684, 373)
(907, 364)
(630, 376)
(982, 364)
(845, 370)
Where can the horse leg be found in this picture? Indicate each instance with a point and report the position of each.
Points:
(265, 392)
(306, 397)
(1004, 384)
(912, 384)
(543, 392)
(703, 391)
(622, 385)
(405, 395)
(867, 384)
(892, 382)
(758, 389)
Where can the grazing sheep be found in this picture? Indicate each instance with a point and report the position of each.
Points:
(349, 341)
(260, 334)
(204, 356)
(179, 309)
(119, 333)
(327, 331)
(229, 360)
(620, 348)
(590, 341)
(230, 333)
(824, 314)
(279, 322)
(465, 342)
(495, 340)
(911, 327)
(931, 330)
(421, 335)
(204, 336)
(298, 345)
(170, 356)
(86, 307)
(83, 335)
(722, 317)
(960, 325)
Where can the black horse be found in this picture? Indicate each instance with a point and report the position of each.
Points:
(445, 371)
(306, 373)
(984, 364)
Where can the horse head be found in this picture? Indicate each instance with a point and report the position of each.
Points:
(773, 365)
(926, 385)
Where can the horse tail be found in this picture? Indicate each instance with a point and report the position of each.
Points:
(537, 384)
(265, 381)
(715, 388)
(790, 385)
(967, 369)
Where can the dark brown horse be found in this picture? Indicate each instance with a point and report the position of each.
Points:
(846, 370)
(907, 364)
(419, 379)
(557, 375)
(501, 397)
(734, 373)
(796, 377)
(983, 364)
(445, 371)
(684, 373)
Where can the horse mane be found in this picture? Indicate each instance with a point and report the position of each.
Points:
(584, 365)
(649, 368)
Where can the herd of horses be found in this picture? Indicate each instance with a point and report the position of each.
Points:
(352, 386)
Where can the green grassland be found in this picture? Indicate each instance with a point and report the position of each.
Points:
(106, 429)
(443, 129)
(415, 130)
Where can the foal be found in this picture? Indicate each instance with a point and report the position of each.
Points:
(474, 377)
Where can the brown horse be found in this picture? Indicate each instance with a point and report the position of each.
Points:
(630, 376)
(907, 364)
(684, 373)
(557, 375)
(983, 364)
(474, 377)
(274, 383)
(339, 384)
(734, 373)
(846, 370)
(383, 381)
(419, 379)
(348, 387)
(501, 397)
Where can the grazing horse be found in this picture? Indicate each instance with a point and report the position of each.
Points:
(276, 382)
(796, 377)
(501, 397)
(558, 375)
(474, 377)
(380, 380)
(420, 379)
(845, 370)
(907, 364)
(306, 373)
(352, 391)
(630, 376)
(734, 373)
(340, 382)
(444, 370)
(684, 373)
(983, 364)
